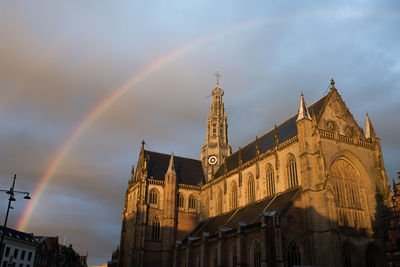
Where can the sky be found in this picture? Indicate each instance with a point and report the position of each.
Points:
(59, 60)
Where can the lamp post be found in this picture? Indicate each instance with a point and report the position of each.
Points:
(10, 192)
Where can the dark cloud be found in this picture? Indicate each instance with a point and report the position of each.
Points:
(59, 61)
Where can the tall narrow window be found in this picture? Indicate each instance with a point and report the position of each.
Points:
(291, 172)
(206, 206)
(155, 230)
(293, 255)
(181, 201)
(153, 199)
(219, 201)
(215, 259)
(270, 180)
(256, 255)
(234, 196)
(251, 197)
(233, 256)
(192, 203)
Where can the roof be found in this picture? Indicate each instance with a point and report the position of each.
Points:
(188, 171)
(14, 234)
(248, 214)
(285, 130)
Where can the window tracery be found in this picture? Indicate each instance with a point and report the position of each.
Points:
(234, 196)
(155, 229)
(291, 172)
(270, 180)
(250, 189)
(346, 185)
(192, 203)
(153, 199)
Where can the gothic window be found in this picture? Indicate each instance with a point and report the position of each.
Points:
(291, 172)
(345, 181)
(251, 197)
(215, 258)
(219, 201)
(192, 202)
(256, 254)
(270, 180)
(233, 256)
(155, 229)
(153, 200)
(181, 201)
(206, 206)
(293, 255)
(234, 196)
(373, 256)
(331, 126)
(349, 256)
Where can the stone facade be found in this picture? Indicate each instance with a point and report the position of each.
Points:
(311, 191)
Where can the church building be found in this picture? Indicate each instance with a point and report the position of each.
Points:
(311, 191)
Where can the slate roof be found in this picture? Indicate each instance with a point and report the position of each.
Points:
(188, 171)
(248, 214)
(286, 130)
(11, 233)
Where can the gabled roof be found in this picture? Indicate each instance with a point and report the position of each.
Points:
(248, 214)
(285, 130)
(188, 171)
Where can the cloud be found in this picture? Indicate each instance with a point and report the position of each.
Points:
(60, 61)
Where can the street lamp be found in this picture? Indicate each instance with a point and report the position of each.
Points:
(10, 192)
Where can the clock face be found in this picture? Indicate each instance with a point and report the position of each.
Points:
(212, 160)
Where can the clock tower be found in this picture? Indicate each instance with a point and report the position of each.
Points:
(217, 146)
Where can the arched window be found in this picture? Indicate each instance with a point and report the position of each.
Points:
(270, 180)
(256, 254)
(192, 202)
(350, 258)
(345, 181)
(219, 201)
(293, 254)
(155, 229)
(291, 172)
(251, 197)
(374, 257)
(206, 207)
(234, 196)
(233, 256)
(181, 201)
(215, 258)
(153, 199)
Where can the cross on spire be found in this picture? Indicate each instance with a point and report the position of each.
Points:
(218, 76)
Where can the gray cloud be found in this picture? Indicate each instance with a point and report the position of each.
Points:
(60, 61)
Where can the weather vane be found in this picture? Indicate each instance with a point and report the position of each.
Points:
(218, 76)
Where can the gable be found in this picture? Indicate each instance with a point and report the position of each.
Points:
(336, 116)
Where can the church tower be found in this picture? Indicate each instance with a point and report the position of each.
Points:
(217, 146)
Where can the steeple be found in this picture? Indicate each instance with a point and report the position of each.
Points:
(171, 167)
(303, 111)
(216, 147)
(369, 129)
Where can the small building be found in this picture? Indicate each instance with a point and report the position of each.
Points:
(47, 251)
(19, 248)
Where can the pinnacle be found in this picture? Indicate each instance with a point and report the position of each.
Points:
(171, 167)
(303, 111)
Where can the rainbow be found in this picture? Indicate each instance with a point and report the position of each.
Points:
(117, 93)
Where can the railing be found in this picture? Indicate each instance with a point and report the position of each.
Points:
(345, 139)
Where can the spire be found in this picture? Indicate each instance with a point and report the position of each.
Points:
(171, 167)
(369, 129)
(303, 111)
